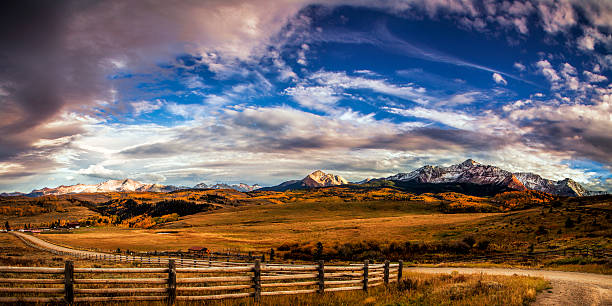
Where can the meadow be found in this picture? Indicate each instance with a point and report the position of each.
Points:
(346, 224)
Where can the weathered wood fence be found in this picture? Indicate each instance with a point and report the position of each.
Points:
(72, 284)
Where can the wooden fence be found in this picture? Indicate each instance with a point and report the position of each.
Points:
(171, 283)
(210, 262)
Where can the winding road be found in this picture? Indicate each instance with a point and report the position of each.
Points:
(568, 288)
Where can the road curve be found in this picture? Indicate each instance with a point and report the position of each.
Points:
(568, 288)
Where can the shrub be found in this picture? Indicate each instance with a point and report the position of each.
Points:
(483, 244)
(569, 223)
(470, 241)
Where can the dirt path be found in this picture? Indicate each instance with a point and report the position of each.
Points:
(568, 288)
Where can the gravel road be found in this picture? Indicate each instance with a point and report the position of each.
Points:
(568, 288)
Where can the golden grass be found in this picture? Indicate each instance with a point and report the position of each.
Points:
(265, 226)
(416, 289)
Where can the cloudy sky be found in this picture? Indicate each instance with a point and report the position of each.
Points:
(182, 92)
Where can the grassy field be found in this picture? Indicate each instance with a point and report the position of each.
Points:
(352, 224)
(265, 226)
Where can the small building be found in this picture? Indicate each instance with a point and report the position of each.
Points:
(73, 225)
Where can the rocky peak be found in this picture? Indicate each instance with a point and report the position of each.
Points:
(322, 179)
(469, 163)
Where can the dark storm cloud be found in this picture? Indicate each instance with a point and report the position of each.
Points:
(592, 139)
(436, 138)
(152, 150)
(29, 68)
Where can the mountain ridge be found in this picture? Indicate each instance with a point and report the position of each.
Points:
(472, 172)
(468, 176)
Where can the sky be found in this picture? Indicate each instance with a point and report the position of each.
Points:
(229, 91)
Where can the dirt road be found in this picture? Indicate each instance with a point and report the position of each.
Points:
(568, 288)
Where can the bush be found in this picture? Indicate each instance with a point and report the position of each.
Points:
(483, 244)
(470, 241)
(569, 223)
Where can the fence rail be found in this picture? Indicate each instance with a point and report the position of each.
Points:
(73, 284)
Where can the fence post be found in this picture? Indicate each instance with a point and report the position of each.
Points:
(171, 282)
(400, 269)
(257, 279)
(386, 273)
(321, 276)
(366, 264)
(69, 282)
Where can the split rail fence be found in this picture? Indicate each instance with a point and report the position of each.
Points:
(72, 284)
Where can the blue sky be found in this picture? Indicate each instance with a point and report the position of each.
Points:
(263, 91)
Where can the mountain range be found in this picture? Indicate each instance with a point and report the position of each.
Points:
(239, 187)
(471, 172)
(469, 177)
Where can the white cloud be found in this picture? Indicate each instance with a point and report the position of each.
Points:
(302, 55)
(314, 97)
(593, 77)
(145, 107)
(343, 81)
(99, 171)
(486, 123)
(520, 67)
(546, 69)
(462, 98)
(499, 79)
(556, 15)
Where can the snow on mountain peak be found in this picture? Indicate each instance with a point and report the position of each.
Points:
(473, 172)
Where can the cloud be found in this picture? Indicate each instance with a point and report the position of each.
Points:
(581, 130)
(546, 69)
(520, 67)
(72, 69)
(462, 98)
(342, 81)
(556, 16)
(593, 77)
(314, 97)
(145, 107)
(98, 171)
(499, 79)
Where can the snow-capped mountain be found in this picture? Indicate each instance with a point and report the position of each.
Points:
(313, 180)
(108, 186)
(239, 187)
(475, 173)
